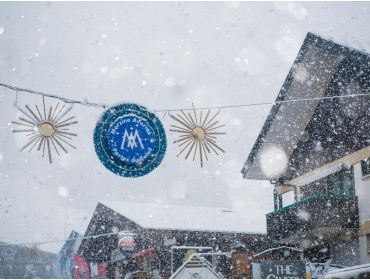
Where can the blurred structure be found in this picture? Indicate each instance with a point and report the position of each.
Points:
(157, 230)
(64, 264)
(25, 262)
(196, 267)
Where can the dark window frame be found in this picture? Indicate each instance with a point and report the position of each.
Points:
(365, 167)
(329, 185)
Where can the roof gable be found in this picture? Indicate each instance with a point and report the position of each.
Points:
(318, 71)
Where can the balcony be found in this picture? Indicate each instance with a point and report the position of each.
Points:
(319, 215)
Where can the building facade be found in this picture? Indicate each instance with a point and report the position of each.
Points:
(25, 262)
(314, 148)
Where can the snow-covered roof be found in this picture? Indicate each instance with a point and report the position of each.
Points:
(177, 217)
(308, 79)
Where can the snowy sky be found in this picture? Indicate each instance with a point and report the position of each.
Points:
(161, 55)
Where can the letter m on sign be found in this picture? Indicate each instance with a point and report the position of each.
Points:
(131, 140)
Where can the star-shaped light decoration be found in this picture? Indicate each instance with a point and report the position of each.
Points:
(197, 133)
(47, 129)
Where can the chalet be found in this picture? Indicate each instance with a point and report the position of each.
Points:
(17, 261)
(166, 235)
(314, 147)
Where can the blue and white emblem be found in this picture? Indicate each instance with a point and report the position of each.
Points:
(129, 140)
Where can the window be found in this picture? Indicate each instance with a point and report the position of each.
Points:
(288, 198)
(340, 183)
(365, 166)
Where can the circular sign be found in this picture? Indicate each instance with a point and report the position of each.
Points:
(129, 140)
(127, 244)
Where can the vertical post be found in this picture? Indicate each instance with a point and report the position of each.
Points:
(213, 260)
(171, 261)
(278, 201)
(297, 193)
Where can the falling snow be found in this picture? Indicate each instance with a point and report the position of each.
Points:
(306, 188)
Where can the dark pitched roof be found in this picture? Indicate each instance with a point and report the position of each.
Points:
(318, 64)
(105, 219)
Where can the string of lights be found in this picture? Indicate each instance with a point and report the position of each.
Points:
(105, 106)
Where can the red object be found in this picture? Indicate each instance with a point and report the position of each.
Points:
(127, 242)
(101, 270)
(142, 253)
(81, 269)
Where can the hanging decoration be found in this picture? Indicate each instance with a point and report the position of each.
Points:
(129, 140)
(47, 129)
(197, 134)
(194, 135)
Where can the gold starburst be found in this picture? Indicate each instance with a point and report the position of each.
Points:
(47, 128)
(197, 134)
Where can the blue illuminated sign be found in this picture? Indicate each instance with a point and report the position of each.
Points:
(129, 140)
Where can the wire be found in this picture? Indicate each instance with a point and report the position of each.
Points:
(104, 106)
(265, 103)
(66, 100)
(64, 240)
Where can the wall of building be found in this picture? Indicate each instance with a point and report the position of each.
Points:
(23, 262)
(363, 193)
(345, 252)
(364, 255)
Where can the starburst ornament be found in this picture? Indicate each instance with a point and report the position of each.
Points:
(197, 133)
(47, 129)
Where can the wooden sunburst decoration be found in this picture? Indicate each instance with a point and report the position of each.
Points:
(197, 133)
(47, 129)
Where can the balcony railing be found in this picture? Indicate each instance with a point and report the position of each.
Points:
(311, 214)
